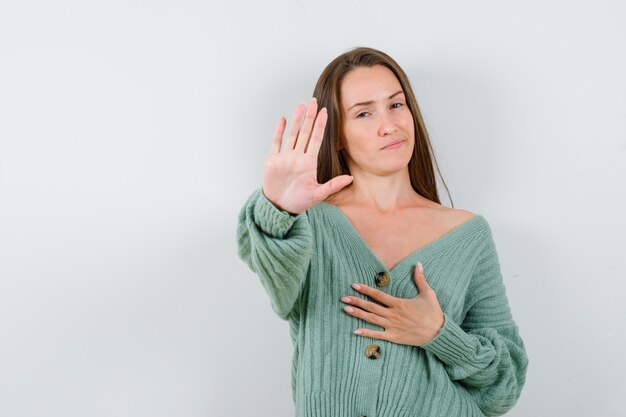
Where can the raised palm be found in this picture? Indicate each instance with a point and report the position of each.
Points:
(290, 174)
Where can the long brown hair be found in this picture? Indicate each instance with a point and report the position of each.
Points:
(331, 161)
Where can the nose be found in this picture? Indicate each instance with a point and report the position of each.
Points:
(387, 127)
(388, 130)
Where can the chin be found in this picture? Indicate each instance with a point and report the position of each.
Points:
(395, 165)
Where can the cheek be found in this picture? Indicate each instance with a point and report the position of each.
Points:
(407, 123)
(354, 136)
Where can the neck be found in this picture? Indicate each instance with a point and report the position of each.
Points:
(385, 194)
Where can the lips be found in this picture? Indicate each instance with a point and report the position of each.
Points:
(393, 143)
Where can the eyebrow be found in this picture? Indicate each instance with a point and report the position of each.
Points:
(371, 101)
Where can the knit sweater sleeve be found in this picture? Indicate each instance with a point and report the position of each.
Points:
(277, 246)
(485, 352)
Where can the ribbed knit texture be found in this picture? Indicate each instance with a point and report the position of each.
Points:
(475, 366)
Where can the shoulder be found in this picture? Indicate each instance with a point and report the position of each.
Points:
(445, 213)
(452, 217)
(460, 214)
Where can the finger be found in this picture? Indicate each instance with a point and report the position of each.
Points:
(305, 130)
(295, 126)
(420, 280)
(331, 186)
(278, 135)
(368, 317)
(366, 305)
(317, 136)
(377, 295)
(374, 334)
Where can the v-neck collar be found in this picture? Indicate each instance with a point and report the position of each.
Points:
(404, 265)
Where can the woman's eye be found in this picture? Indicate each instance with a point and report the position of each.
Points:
(394, 104)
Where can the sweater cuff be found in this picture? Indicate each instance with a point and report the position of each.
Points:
(270, 219)
(452, 344)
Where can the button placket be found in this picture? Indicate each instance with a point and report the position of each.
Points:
(372, 351)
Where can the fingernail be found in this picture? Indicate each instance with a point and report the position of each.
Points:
(420, 267)
(357, 331)
(356, 286)
(346, 299)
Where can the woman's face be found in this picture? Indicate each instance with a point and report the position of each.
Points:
(375, 115)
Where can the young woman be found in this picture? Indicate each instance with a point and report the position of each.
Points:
(396, 304)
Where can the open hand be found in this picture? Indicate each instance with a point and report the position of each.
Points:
(290, 174)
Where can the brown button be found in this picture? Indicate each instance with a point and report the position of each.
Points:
(382, 279)
(372, 351)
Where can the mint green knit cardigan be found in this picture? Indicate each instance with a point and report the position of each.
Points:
(475, 366)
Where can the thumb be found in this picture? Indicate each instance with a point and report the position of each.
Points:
(420, 279)
(333, 185)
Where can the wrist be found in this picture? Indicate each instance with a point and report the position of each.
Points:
(438, 327)
(277, 205)
(443, 323)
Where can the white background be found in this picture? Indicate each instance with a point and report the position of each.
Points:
(131, 133)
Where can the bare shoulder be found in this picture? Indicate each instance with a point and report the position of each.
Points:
(462, 215)
(453, 217)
